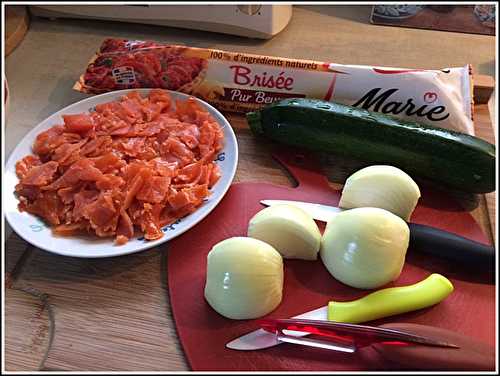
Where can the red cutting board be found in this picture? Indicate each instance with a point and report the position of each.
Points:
(470, 309)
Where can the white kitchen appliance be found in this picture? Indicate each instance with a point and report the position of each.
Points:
(254, 21)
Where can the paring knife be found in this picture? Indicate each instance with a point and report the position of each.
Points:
(414, 346)
(343, 336)
(422, 238)
(381, 303)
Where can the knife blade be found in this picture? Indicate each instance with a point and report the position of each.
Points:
(422, 238)
(319, 212)
(261, 339)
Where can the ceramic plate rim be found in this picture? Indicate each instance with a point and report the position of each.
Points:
(195, 217)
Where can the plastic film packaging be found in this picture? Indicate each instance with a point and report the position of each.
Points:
(241, 82)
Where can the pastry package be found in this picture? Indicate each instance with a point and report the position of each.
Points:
(242, 82)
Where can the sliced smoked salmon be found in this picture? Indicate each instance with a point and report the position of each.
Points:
(132, 165)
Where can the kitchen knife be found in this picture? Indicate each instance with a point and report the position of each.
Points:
(414, 346)
(422, 238)
(382, 303)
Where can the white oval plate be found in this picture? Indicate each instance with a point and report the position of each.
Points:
(36, 232)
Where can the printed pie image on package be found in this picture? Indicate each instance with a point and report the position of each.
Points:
(125, 66)
(241, 82)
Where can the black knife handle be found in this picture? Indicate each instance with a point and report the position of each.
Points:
(451, 246)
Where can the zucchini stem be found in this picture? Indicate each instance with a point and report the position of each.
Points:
(254, 121)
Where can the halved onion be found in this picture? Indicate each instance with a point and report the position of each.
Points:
(244, 278)
(381, 186)
(289, 229)
(365, 247)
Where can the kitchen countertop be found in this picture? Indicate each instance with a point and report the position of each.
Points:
(41, 72)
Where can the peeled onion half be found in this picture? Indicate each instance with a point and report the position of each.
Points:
(244, 278)
(365, 247)
(381, 186)
(289, 229)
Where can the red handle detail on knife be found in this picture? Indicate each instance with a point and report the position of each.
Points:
(360, 335)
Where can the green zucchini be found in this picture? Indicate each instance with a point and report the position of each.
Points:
(451, 159)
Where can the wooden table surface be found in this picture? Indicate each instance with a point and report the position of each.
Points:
(16, 26)
(70, 314)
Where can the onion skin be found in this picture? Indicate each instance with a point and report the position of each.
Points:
(289, 229)
(244, 278)
(381, 186)
(365, 247)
